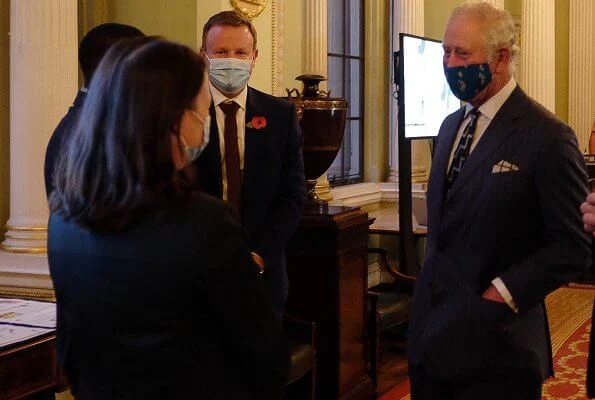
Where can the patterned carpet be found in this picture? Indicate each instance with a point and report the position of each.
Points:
(569, 314)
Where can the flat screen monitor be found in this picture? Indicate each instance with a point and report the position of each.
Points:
(425, 98)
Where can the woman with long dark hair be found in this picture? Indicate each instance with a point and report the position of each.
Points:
(157, 294)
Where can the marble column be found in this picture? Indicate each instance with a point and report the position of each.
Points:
(580, 72)
(315, 44)
(43, 83)
(315, 61)
(408, 17)
(537, 51)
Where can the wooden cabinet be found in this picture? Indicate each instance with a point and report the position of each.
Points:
(327, 269)
(30, 368)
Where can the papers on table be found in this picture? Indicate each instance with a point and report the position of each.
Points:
(39, 314)
(12, 334)
(21, 320)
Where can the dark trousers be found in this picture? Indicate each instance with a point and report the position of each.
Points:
(423, 387)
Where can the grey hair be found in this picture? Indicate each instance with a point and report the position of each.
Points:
(499, 29)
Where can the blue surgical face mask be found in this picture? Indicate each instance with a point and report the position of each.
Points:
(466, 81)
(192, 153)
(230, 75)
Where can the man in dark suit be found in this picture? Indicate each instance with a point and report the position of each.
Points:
(504, 225)
(93, 47)
(255, 159)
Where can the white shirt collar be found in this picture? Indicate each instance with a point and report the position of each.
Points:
(219, 97)
(491, 107)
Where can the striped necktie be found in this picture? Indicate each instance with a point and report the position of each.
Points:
(463, 148)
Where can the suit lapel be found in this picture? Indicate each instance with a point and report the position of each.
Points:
(442, 154)
(499, 130)
(251, 137)
(214, 130)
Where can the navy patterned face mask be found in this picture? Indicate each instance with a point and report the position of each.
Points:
(466, 81)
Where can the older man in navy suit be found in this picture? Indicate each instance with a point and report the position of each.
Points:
(504, 225)
(255, 160)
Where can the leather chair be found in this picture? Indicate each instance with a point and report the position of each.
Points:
(301, 338)
(389, 306)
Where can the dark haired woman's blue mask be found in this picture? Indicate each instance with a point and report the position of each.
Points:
(466, 81)
(193, 152)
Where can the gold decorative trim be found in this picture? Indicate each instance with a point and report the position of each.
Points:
(23, 250)
(28, 293)
(10, 274)
(278, 36)
(323, 104)
(301, 104)
(249, 9)
(32, 236)
(26, 228)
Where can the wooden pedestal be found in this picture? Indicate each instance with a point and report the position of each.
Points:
(327, 269)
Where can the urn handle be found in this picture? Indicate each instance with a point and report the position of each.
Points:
(311, 82)
(299, 105)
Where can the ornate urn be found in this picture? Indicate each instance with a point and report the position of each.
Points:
(322, 120)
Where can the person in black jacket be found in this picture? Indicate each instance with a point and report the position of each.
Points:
(93, 47)
(157, 293)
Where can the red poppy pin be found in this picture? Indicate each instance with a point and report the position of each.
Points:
(257, 123)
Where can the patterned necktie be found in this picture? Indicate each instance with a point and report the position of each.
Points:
(462, 151)
(232, 156)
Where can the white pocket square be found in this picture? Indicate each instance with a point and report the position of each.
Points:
(504, 166)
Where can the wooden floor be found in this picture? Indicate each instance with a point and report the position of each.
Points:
(392, 370)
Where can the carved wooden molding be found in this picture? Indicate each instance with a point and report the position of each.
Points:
(277, 8)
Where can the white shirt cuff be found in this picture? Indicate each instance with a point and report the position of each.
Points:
(501, 288)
